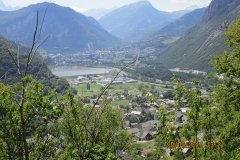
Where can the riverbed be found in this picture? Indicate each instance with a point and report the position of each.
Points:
(79, 71)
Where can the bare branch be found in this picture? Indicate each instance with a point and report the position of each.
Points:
(39, 35)
(32, 47)
(18, 60)
(37, 47)
(44, 15)
(15, 62)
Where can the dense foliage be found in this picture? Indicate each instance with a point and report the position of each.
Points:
(34, 125)
(27, 120)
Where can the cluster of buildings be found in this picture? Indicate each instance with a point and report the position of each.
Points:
(143, 123)
(99, 57)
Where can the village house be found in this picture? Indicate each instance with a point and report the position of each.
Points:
(144, 131)
(132, 131)
(144, 136)
(123, 155)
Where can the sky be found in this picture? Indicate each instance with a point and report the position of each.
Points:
(83, 5)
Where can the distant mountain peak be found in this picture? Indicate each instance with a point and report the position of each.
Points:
(140, 4)
(133, 21)
(143, 2)
(42, 4)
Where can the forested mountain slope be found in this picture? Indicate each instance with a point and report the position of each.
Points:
(181, 25)
(38, 69)
(195, 50)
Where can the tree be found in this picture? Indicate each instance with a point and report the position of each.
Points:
(168, 94)
(227, 94)
(89, 137)
(27, 121)
(177, 131)
(88, 86)
(191, 128)
(39, 113)
(165, 135)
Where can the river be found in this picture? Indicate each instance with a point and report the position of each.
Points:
(79, 71)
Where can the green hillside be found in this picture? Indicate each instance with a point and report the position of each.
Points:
(38, 69)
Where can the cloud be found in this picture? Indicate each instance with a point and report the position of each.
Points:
(191, 2)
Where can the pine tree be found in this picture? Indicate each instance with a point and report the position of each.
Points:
(227, 94)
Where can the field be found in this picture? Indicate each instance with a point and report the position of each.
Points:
(120, 103)
(114, 88)
(146, 145)
(96, 88)
(83, 91)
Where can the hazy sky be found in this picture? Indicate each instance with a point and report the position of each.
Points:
(82, 5)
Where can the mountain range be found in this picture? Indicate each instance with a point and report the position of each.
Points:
(70, 31)
(167, 35)
(162, 38)
(179, 27)
(191, 37)
(195, 49)
(132, 22)
(67, 30)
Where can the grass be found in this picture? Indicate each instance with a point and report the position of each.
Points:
(171, 40)
(146, 145)
(94, 89)
(122, 87)
(120, 103)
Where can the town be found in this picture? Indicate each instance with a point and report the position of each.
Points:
(104, 57)
(139, 103)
